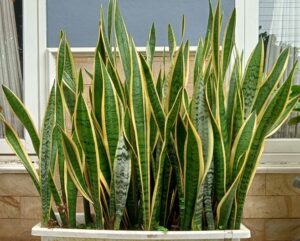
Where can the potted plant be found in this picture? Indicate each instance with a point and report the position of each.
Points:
(148, 161)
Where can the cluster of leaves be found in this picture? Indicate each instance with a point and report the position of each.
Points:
(144, 155)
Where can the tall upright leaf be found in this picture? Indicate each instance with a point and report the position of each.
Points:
(193, 173)
(87, 138)
(140, 118)
(122, 171)
(45, 156)
(252, 77)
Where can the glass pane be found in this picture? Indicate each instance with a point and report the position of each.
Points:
(279, 24)
(11, 55)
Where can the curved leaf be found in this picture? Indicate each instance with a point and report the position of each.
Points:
(23, 115)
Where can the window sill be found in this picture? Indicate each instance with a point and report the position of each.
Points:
(11, 164)
(270, 163)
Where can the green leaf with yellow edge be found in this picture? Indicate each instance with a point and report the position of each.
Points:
(241, 144)
(156, 196)
(69, 72)
(97, 86)
(270, 116)
(14, 141)
(87, 137)
(155, 102)
(171, 41)
(21, 112)
(193, 173)
(45, 156)
(176, 79)
(140, 116)
(271, 82)
(123, 43)
(150, 48)
(74, 166)
(228, 42)
(60, 62)
(110, 117)
(116, 81)
(215, 40)
(253, 77)
(61, 207)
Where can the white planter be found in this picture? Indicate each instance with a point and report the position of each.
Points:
(59, 234)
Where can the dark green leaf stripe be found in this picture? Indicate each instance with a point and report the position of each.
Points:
(107, 53)
(157, 108)
(273, 79)
(58, 201)
(80, 83)
(150, 49)
(232, 96)
(69, 73)
(228, 42)
(105, 165)
(123, 43)
(45, 156)
(110, 115)
(252, 77)
(198, 67)
(201, 119)
(177, 77)
(71, 192)
(97, 88)
(241, 144)
(69, 98)
(171, 41)
(60, 119)
(122, 171)
(116, 81)
(219, 160)
(110, 18)
(61, 57)
(216, 40)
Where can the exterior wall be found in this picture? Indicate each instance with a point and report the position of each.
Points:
(19, 207)
(272, 209)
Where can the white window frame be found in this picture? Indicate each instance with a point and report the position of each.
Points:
(34, 50)
(40, 70)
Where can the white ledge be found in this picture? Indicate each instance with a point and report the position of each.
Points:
(282, 168)
(12, 165)
(270, 163)
(141, 235)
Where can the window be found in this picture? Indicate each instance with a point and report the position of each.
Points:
(11, 41)
(278, 21)
(271, 19)
(30, 18)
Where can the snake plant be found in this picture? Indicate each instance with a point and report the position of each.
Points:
(138, 149)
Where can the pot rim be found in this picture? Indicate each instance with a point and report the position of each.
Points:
(37, 230)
